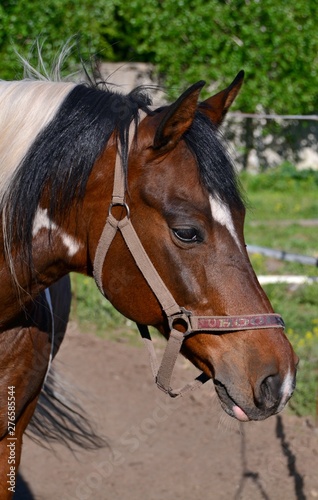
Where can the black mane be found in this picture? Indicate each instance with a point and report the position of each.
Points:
(62, 156)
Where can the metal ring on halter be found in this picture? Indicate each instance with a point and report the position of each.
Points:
(182, 320)
(118, 204)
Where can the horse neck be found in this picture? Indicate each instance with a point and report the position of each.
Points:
(68, 246)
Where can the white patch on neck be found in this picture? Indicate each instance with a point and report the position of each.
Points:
(221, 214)
(42, 221)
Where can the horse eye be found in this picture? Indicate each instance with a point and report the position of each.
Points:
(187, 235)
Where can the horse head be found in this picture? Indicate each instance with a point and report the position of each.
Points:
(186, 208)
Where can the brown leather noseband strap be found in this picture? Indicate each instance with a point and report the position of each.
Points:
(232, 323)
(175, 314)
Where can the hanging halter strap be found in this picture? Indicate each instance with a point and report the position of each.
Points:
(175, 314)
(50, 306)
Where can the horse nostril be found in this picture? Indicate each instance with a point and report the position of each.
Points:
(269, 393)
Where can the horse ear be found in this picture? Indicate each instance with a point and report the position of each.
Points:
(218, 105)
(178, 118)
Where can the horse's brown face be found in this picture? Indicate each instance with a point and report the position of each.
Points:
(196, 243)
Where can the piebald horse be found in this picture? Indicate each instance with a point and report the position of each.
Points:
(146, 202)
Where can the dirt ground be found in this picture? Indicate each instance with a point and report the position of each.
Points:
(162, 449)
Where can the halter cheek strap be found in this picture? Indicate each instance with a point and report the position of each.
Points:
(175, 314)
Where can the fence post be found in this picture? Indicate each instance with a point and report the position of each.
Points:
(249, 140)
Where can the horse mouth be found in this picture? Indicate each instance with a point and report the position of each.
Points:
(228, 404)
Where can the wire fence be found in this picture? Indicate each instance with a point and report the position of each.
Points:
(273, 116)
(264, 140)
(282, 255)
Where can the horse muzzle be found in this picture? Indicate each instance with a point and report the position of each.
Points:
(268, 397)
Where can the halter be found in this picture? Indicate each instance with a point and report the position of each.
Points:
(50, 306)
(176, 315)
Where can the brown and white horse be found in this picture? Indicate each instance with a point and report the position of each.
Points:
(164, 240)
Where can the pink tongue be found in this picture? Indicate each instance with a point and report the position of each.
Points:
(239, 414)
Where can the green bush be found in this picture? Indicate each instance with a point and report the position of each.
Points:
(186, 41)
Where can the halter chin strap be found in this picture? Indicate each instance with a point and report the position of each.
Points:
(177, 316)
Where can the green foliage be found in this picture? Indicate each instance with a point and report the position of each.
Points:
(53, 22)
(272, 40)
(286, 176)
(187, 40)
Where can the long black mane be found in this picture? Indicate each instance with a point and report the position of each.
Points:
(62, 156)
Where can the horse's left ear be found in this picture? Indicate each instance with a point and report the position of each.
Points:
(218, 105)
(177, 118)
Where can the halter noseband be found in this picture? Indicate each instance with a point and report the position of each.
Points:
(175, 314)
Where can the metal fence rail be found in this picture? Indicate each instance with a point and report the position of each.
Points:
(272, 116)
(289, 280)
(282, 255)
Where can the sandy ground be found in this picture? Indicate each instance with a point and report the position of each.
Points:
(162, 449)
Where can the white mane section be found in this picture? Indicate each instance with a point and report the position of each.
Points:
(26, 107)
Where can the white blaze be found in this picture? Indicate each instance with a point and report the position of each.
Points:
(221, 214)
